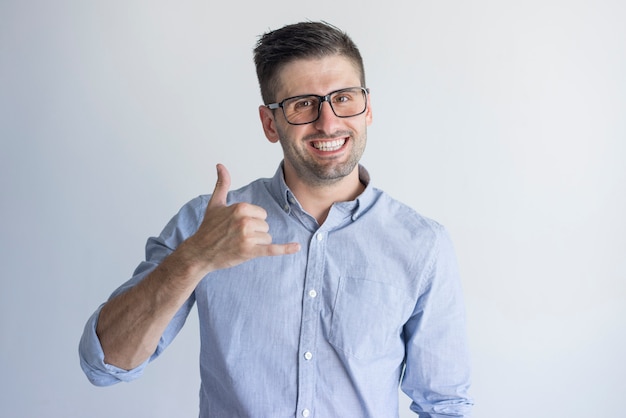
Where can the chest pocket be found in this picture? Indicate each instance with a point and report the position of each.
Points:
(367, 318)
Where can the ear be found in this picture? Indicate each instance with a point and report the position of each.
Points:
(368, 112)
(269, 124)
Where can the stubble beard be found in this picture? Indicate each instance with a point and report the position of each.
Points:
(323, 173)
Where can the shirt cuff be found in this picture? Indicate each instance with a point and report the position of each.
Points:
(92, 359)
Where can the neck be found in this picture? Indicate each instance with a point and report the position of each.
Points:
(316, 199)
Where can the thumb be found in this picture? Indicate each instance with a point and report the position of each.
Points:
(221, 187)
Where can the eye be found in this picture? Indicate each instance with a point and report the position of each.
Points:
(343, 97)
(303, 104)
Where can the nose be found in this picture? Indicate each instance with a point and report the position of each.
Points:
(327, 119)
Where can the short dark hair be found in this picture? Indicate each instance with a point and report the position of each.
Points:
(302, 40)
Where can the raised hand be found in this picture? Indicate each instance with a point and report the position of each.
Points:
(231, 235)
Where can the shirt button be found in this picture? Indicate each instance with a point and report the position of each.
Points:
(306, 413)
(320, 236)
(312, 293)
(308, 355)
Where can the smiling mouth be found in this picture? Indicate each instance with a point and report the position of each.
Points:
(333, 145)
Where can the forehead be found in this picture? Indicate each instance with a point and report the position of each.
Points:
(317, 76)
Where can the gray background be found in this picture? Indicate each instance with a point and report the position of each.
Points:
(502, 120)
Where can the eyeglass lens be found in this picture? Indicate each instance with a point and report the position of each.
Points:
(344, 103)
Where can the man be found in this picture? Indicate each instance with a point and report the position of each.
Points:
(317, 293)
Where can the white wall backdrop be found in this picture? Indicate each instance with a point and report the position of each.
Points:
(503, 120)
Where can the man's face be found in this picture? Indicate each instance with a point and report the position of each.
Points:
(327, 150)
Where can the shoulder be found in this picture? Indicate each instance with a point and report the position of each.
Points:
(397, 213)
(247, 193)
(250, 192)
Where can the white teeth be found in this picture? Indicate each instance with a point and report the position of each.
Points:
(329, 145)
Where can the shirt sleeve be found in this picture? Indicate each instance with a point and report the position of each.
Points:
(92, 359)
(437, 371)
(91, 355)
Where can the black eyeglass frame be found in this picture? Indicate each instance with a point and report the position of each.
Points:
(322, 99)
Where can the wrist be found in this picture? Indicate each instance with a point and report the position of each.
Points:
(189, 261)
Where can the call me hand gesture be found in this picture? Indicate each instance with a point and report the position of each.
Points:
(231, 235)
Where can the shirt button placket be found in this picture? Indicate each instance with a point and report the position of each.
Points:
(310, 317)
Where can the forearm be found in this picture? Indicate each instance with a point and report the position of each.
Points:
(131, 324)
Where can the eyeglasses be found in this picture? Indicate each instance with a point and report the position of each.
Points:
(345, 103)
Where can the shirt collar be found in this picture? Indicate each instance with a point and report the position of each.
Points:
(354, 208)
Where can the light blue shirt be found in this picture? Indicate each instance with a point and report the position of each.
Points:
(372, 300)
